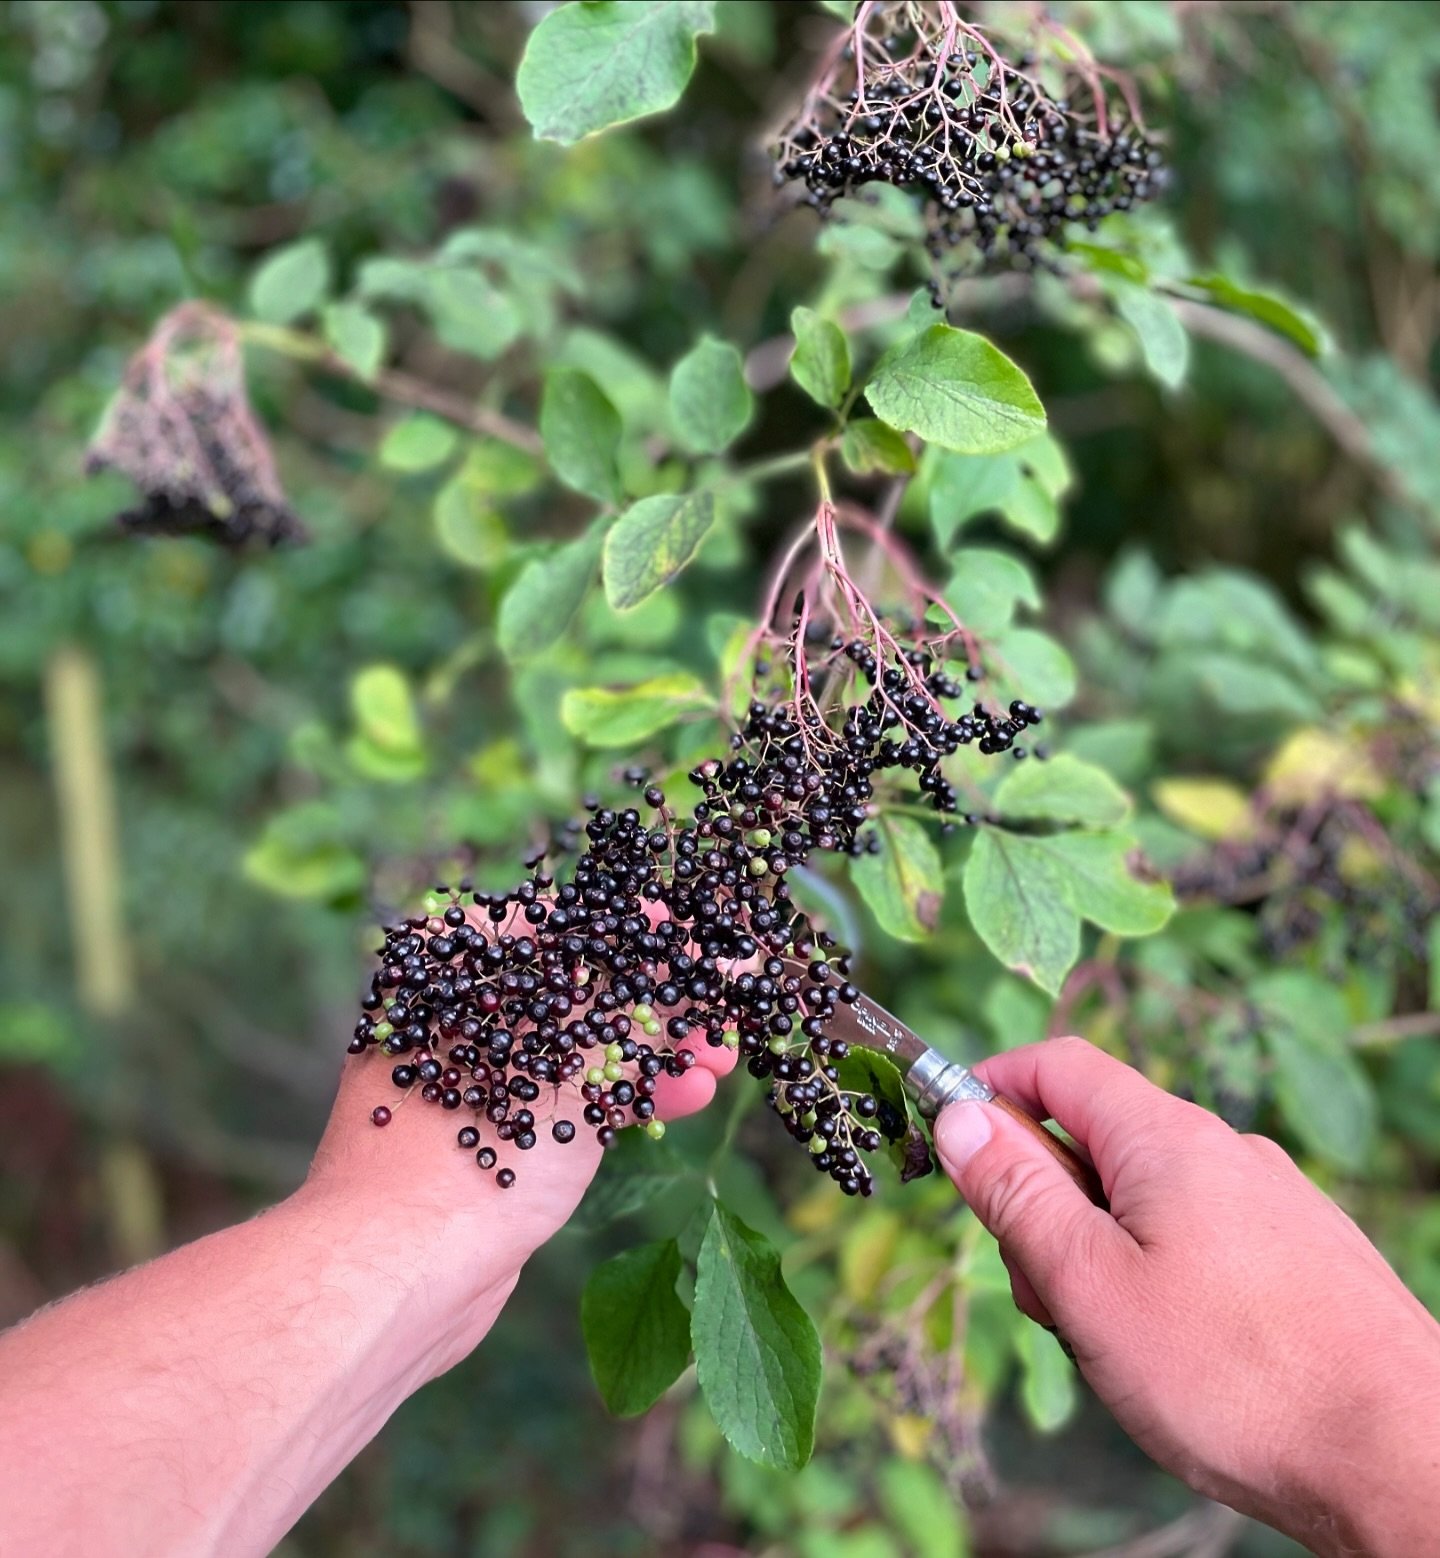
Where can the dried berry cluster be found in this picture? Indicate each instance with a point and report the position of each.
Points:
(669, 934)
(181, 429)
(924, 102)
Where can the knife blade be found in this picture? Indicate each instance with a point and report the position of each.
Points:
(933, 1081)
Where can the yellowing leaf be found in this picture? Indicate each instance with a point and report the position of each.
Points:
(1209, 808)
(1315, 762)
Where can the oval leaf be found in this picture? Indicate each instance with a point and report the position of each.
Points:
(606, 717)
(757, 1352)
(870, 446)
(651, 542)
(821, 361)
(356, 337)
(637, 1332)
(540, 604)
(709, 402)
(956, 390)
(581, 432)
(589, 66)
(291, 283)
(902, 883)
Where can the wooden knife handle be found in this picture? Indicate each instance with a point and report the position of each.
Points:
(1066, 1156)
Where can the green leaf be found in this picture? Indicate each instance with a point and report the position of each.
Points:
(820, 364)
(1242, 686)
(867, 1071)
(637, 1332)
(1032, 666)
(1063, 790)
(921, 1509)
(1026, 896)
(619, 717)
(1024, 486)
(1047, 1378)
(588, 66)
(1269, 309)
(1100, 888)
(902, 883)
(303, 854)
(636, 1171)
(757, 1353)
(651, 542)
(291, 282)
(356, 336)
(419, 443)
(1016, 897)
(869, 445)
(1164, 341)
(467, 526)
(541, 603)
(384, 708)
(986, 587)
(581, 432)
(709, 401)
(844, 9)
(468, 313)
(956, 390)
(1323, 1092)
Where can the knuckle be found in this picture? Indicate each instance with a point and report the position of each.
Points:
(1011, 1191)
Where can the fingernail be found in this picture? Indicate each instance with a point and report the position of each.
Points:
(960, 1132)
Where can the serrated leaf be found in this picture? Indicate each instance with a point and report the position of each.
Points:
(987, 586)
(868, 446)
(1064, 789)
(757, 1353)
(1024, 486)
(820, 364)
(581, 432)
(1101, 889)
(589, 66)
(1032, 666)
(904, 882)
(542, 602)
(618, 717)
(637, 1332)
(709, 401)
(1026, 896)
(356, 336)
(1269, 309)
(1164, 340)
(291, 282)
(1016, 898)
(957, 391)
(651, 542)
(419, 443)
(868, 1071)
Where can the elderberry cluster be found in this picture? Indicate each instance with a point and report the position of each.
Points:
(1003, 167)
(669, 933)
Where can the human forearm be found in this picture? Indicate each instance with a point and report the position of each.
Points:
(199, 1404)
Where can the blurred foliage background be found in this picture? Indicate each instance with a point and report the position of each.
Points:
(205, 801)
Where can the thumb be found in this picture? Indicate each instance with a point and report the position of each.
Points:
(1043, 1220)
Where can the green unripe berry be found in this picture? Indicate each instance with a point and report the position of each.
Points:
(817, 1145)
(435, 904)
(643, 1013)
(383, 1030)
(808, 1119)
(596, 1075)
(655, 1129)
(761, 837)
(614, 1052)
(613, 1071)
(759, 867)
(731, 1038)
(651, 1028)
(778, 1046)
